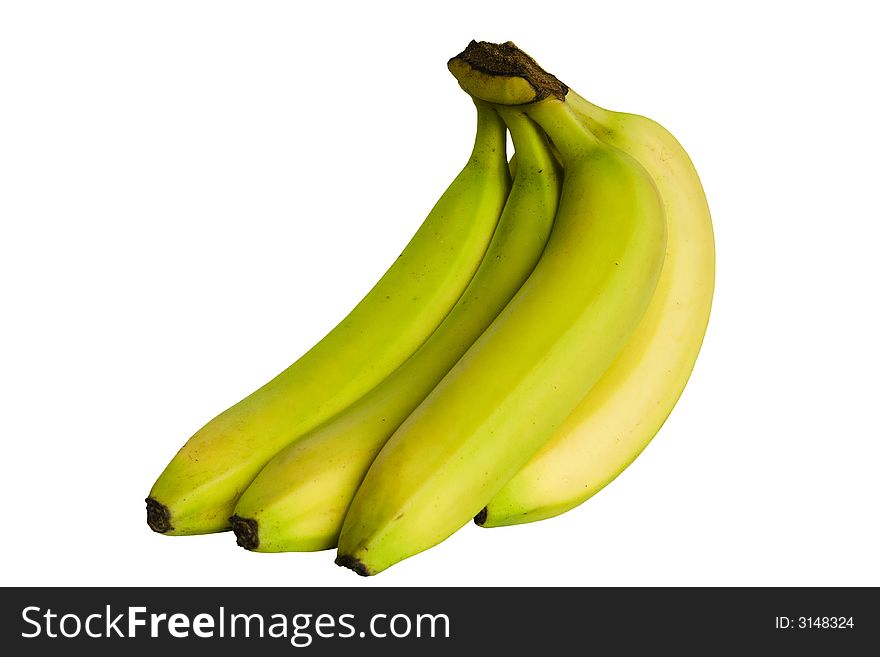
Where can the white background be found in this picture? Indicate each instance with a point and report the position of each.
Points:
(193, 193)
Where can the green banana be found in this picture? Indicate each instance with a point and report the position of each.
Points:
(198, 489)
(625, 409)
(299, 500)
(540, 356)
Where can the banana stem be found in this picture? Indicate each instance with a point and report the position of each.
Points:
(564, 128)
(589, 111)
(491, 134)
(507, 77)
(529, 141)
(501, 73)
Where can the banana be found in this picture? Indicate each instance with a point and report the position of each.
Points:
(536, 361)
(625, 409)
(197, 492)
(299, 500)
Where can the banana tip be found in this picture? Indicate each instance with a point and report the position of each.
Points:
(246, 532)
(158, 516)
(354, 564)
(480, 518)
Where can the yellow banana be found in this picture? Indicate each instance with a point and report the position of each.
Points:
(299, 500)
(197, 491)
(625, 409)
(536, 361)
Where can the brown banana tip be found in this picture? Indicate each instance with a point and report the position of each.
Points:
(354, 564)
(158, 516)
(246, 532)
(480, 518)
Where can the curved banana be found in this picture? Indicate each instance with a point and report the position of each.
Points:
(537, 360)
(625, 409)
(299, 500)
(197, 491)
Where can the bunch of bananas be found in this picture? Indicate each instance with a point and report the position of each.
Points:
(524, 348)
